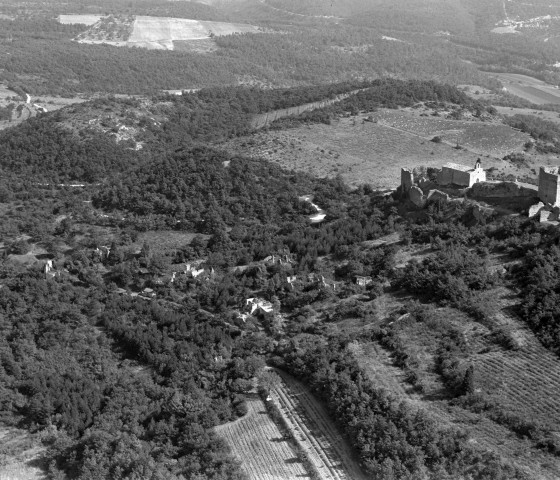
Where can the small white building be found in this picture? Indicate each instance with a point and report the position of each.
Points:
(258, 305)
(461, 175)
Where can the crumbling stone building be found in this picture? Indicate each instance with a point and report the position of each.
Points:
(549, 185)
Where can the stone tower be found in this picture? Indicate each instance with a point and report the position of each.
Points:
(549, 185)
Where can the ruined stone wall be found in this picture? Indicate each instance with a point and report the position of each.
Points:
(506, 194)
(549, 185)
(462, 178)
(445, 177)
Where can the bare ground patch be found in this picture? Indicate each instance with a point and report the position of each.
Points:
(20, 454)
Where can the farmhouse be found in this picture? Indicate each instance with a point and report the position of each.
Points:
(363, 281)
(461, 175)
(258, 305)
(549, 185)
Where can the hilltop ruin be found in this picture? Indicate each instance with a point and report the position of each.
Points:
(456, 182)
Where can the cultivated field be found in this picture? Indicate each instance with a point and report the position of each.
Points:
(484, 138)
(260, 447)
(160, 33)
(315, 431)
(526, 380)
(362, 152)
(529, 88)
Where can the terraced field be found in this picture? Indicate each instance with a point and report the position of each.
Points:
(260, 447)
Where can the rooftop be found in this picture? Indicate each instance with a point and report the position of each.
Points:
(551, 169)
(456, 166)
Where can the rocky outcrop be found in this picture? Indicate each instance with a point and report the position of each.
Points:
(511, 195)
(417, 196)
(502, 190)
(545, 215)
(435, 195)
(481, 214)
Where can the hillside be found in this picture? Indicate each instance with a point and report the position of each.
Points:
(237, 282)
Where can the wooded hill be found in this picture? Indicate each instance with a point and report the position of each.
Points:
(124, 372)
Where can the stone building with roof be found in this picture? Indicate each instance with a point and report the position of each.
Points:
(461, 175)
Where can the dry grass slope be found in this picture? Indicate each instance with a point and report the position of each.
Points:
(18, 451)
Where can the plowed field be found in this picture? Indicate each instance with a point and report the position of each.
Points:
(260, 447)
(315, 431)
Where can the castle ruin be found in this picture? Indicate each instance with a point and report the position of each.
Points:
(549, 185)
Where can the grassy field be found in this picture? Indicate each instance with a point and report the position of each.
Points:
(367, 152)
(260, 447)
(529, 88)
(542, 114)
(372, 147)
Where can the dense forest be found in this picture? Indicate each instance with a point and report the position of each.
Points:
(47, 61)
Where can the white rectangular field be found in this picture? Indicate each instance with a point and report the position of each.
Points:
(79, 19)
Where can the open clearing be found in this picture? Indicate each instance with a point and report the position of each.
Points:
(23, 110)
(79, 19)
(542, 114)
(19, 454)
(260, 447)
(368, 152)
(529, 88)
(315, 431)
(160, 33)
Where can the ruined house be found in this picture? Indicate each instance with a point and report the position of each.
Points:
(461, 175)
